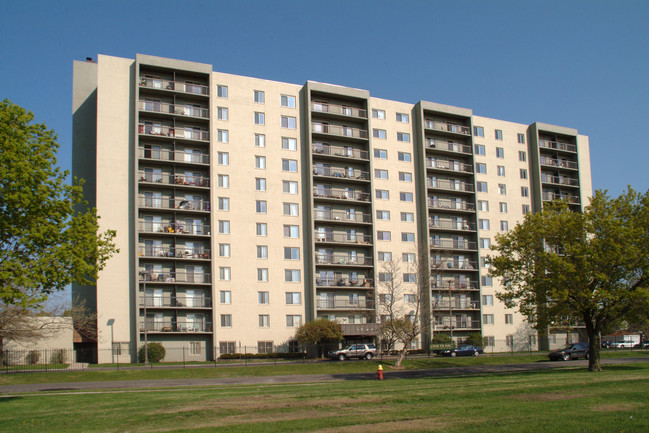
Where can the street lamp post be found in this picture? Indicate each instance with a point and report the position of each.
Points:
(112, 340)
(146, 342)
(450, 310)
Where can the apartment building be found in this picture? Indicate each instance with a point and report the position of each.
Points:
(245, 207)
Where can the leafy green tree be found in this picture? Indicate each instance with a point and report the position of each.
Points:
(155, 353)
(591, 267)
(475, 339)
(319, 332)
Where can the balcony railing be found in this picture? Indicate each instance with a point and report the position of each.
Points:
(444, 285)
(178, 109)
(343, 194)
(154, 301)
(343, 238)
(442, 164)
(339, 109)
(561, 163)
(345, 304)
(456, 304)
(340, 130)
(559, 180)
(551, 196)
(450, 146)
(342, 215)
(177, 277)
(343, 260)
(452, 244)
(450, 185)
(441, 325)
(175, 252)
(346, 152)
(448, 224)
(174, 179)
(341, 173)
(178, 132)
(175, 228)
(340, 281)
(557, 145)
(448, 127)
(450, 205)
(466, 265)
(171, 203)
(174, 156)
(151, 326)
(177, 86)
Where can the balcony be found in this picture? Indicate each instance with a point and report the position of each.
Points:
(344, 282)
(449, 185)
(342, 259)
(340, 194)
(448, 224)
(448, 146)
(339, 110)
(344, 304)
(558, 163)
(174, 86)
(462, 265)
(343, 238)
(447, 127)
(164, 327)
(341, 173)
(175, 109)
(551, 196)
(175, 252)
(342, 216)
(179, 227)
(450, 205)
(174, 156)
(452, 244)
(178, 277)
(445, 165)
(339, 151)
(194, 134)
(446, 325)
(177, 204)
(559, 180)
(178, 301)
(442, 285)
(339, 131)
(174, 179)
(557, 145)
(456, 304)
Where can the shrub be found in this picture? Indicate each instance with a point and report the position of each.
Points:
(291, 355)
(155, 353)
(475, 339)
(33, 357)
(58, 356)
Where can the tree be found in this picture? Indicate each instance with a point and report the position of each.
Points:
(592, 267)
(155, 353)
(318, 332)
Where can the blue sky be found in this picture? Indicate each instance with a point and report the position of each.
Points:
(582, 64)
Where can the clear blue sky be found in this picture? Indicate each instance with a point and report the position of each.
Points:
(581, 64)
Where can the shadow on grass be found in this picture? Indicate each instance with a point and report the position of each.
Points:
(8, 399)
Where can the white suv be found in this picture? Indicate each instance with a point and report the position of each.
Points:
(623, 344)
(360, 351)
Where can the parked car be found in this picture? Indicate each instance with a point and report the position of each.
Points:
(624, 344)
(570, 351)
(360, 351)
(465, 350)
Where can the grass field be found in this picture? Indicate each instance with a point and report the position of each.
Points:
(615, 400)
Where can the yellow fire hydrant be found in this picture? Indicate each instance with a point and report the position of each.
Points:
(379, 372)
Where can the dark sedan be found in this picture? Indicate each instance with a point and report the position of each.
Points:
(570, 351)
(466, 350)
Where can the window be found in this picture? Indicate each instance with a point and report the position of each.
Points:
(407, 237)
(481, 186)
(222, 91)
(224, 203)
(521, 138)
(522, 156)
(525, 192)
(289, 187)
(260, 184)
(261, 229)
(223, 181)
(223, 158)
(224, 250)
(260, 140)
(478, 131)
(378, 114)
(499, 134)
(504, 226)
(502, 189)
(485, 243)
(487, 319)
(500, 152)
(479, 149)
(224, 227)
(289, 122)
(509, 340)
(290, 209)
(287, 101)
(526, 209)
(291, 231)
(483, 205)
(222, 113)
(380, 154)
(486, 281)
(501, 170)
(405, 176)
(408, 277)
(289, 165)
(264, 347)
(383, 235)
(484, 262)
(383, 215)
(264, 320)
(481, 168)
(260, 206)
(403, 118)
(259, 118)
(227, 347)
(487, 300)
(293, 298)
(379, 133)
(404, 137)
(489, 341)
(262, 251)
(291, 253)
(385, 277)
(194, 347)
(292, 275)
(385, 256)
(405, 196)
(222, 135)
(293, 320)
(260, 162)
(289, 143)
(509, 319)
(380, 174)
(225, 297)
(259, 96)
(503, 207)
(408, 257)
(382, 194)
(407, 217)
(226, 320)
(483, 224)
(404, 156)
(523, 173)
(263, 298)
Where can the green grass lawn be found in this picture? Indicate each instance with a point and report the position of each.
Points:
(615, 400)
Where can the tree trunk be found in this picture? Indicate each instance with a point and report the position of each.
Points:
(401, 357)
(594, 346)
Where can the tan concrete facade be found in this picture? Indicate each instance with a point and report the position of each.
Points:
(244, 207)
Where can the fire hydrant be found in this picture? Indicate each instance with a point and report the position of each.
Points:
(379, 373)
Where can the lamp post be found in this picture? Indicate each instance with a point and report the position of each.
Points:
(112, 341)
(144, 274)
(450, 310)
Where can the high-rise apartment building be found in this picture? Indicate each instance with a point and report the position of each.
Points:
(245, 207)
